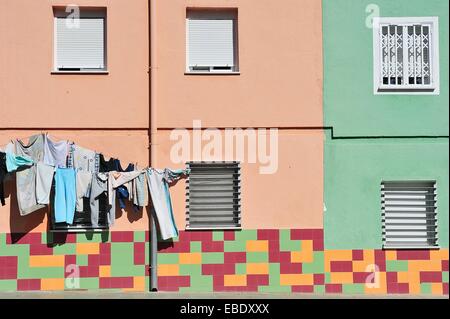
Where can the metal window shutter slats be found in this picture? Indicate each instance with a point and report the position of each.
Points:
(213, 195)
(81, 47)
(409, 214)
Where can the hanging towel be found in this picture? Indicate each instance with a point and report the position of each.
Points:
(44, 180)
(82, 159)
(26, 178)
(55, 153)
(13, 162)
(65, 195)
(158, 184)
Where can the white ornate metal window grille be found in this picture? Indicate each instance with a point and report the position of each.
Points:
(405, 53)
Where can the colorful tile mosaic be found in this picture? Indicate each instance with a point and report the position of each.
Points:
(268, 260)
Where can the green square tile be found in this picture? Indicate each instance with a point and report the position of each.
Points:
(425, 288)
(396, 265)
(240, 269)
(196, 247)
(244, 235)
(139, 236)
(353, 288)
(327, 278)
(191, 270)
(445, 276)
(212, 258)
(256, 257)
(8, 285)
(286, 244)
(276, 288)
(2, 239)
(274, 275)
(316, 266)
(170, 258)
(82, 260)
(44, 237)
(218, 235)
(319, 289)
(89, 283)
(235, 246)
(64, 249)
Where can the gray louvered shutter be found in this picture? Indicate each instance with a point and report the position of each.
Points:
(409, 214)
(213, 195)
(80, 47)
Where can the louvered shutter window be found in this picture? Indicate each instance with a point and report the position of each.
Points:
(211, 42)
(405, 54)
(213, 195)
(80, 47)
(409, 214)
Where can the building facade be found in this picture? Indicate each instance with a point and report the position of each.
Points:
(299, 209)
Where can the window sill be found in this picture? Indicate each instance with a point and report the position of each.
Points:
(212, 73)
(411, 248)
(81, 230)
(80, 72)
(406, 91)
(212, 228)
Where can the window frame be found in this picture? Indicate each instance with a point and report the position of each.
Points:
(235, 70)
(85, 13)
(434, 87)
(435, 223)
(237, 212)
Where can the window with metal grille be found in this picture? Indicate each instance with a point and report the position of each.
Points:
(406, 55)
(213, 195)
(211, 40)
(409, 214)
(80, 41)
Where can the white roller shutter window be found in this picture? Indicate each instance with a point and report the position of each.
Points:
(210, 42)
(80, 47)
(409, 214)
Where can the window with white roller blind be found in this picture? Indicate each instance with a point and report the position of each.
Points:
(80, 45)
(409, 214)
(211, 41)
(213, 195)
(406, 55)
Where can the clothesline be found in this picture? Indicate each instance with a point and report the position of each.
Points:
(79, 173)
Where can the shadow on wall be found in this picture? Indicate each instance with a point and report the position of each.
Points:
(21, 225)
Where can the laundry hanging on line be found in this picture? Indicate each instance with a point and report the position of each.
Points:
(80, 173)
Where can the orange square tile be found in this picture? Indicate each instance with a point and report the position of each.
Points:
(257, 268)
(424, 265)
(436, 288)
(296, 279)
(380, 287)
(105, 271)
(440, 254)
(88, 248)
(305, 255)
(47, 261)
(391, 255)
(341, 277)
(257, 245)
(168, 270)
(52, 284)
(235, 280)
(190, 258)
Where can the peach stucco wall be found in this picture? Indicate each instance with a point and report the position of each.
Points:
(280, 61)
(33, 97)
(291, 197)
(279, 85)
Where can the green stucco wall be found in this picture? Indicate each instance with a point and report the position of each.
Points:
(354, 169)
(350, 106)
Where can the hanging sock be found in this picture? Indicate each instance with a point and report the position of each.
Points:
(158, 183)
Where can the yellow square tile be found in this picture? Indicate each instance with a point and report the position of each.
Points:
(257, 268)
(47, 261)
(190, 258)
(341, 277)
(105, 271)
(235, 280)
(257, 245)
(168, 270)
(88, 248)
(52, 284)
